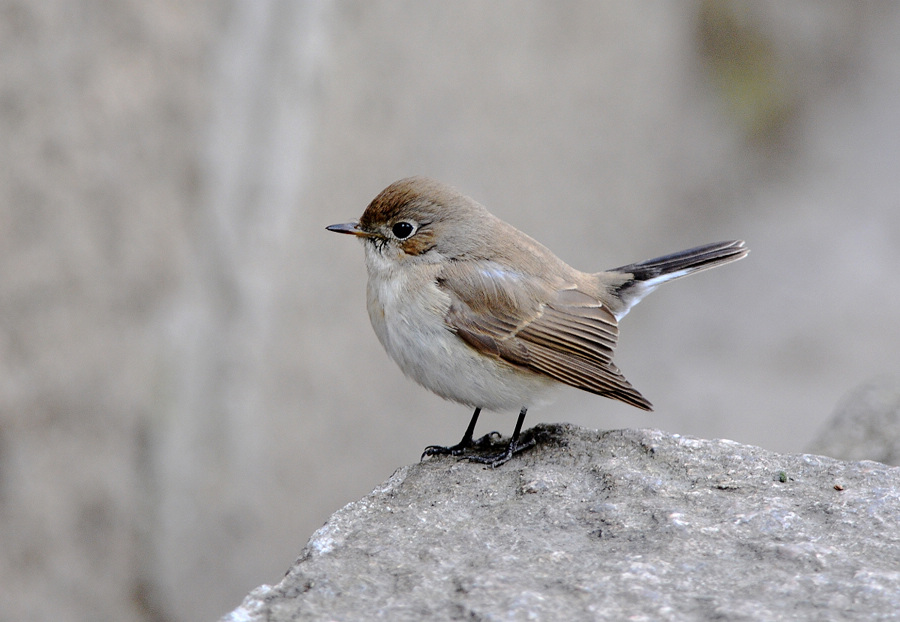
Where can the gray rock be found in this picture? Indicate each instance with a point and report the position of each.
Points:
(626, 524)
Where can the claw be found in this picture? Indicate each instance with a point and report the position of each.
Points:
(439, 450)
(495, 460)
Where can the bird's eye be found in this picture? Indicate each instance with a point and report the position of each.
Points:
(402, 230)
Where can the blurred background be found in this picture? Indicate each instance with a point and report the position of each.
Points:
(189, 384)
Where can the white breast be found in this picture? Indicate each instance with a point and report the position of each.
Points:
(407, 311)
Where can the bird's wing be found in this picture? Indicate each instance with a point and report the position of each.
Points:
(556, 330)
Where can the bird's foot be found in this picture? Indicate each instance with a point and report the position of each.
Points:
(495, 460)
(461, 448)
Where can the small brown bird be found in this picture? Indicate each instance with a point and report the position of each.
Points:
(481, 314)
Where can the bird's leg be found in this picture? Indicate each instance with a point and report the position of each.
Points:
(464, 444)
(512, 449)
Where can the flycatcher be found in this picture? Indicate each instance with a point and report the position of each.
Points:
(480, 313)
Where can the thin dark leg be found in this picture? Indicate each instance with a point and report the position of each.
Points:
(470, 431)
(519, 422)
(512, 449)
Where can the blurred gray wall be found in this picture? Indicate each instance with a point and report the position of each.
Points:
(188, 382)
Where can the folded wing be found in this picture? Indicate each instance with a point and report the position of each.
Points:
(556, 330)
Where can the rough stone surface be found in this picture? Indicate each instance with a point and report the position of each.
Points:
(625, 524)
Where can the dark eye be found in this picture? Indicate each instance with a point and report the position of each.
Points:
(402, 230)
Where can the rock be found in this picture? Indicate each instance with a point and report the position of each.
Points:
(625, 524)
(865, 425)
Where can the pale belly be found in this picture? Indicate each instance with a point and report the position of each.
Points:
(408, 318)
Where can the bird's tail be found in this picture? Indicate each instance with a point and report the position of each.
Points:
(645, 276)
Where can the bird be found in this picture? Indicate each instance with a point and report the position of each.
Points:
(482, 314)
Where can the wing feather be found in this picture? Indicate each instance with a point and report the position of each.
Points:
(559, 331)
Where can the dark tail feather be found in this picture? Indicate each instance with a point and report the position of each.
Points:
(648, 275)
(691, 260)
